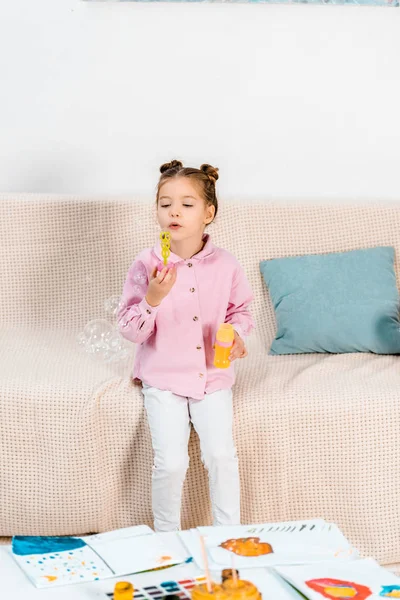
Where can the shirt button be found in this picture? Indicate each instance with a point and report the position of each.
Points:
(198, 347)
(190, 264)
(192, 290)
(148, 311)
(201, 374)
(195, 318)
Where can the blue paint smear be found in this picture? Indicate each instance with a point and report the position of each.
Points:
(387, 590)
(26, 544)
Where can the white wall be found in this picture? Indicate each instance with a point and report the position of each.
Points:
(291, 101)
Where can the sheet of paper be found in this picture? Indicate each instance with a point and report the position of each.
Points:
(292, 527)
(53, 561)
(295, 542)
(118, 534)
(76, 564)
(134, 554)
(361, 579)
(269, 584)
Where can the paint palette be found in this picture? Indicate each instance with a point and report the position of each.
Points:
(182, 589)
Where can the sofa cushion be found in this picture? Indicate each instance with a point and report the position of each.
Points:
(75, 450)
(312, 432)
(336, 302)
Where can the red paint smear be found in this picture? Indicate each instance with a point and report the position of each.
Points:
(318, 585)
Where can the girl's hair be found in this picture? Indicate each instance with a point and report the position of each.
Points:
(205, 178)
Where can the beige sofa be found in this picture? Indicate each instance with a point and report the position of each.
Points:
(318, 435)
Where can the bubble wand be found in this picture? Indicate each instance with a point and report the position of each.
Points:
(165, 238)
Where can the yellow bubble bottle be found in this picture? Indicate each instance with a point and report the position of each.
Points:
(230, 589)
(223, 345)
(202, 592)
(123, 591)
(241, 590)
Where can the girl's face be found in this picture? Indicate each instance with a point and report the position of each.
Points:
(182, 210)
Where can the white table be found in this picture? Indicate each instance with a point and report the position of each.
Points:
(14, 585)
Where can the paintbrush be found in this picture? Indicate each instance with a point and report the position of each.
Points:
(206, 569)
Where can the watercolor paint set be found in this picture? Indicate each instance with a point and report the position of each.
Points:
(181, 588)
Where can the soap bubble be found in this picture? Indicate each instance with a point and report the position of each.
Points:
(100, 351)
(113, 305)
(138, 293)
(115, 341)
(97, 329)
(139, 274)
(102, 342)
(120, 356)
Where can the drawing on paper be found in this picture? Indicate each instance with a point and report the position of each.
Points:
(58, 560)
(247, 546)
(336, 588)
(390, 591)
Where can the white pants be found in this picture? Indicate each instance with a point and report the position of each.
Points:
(169, 418)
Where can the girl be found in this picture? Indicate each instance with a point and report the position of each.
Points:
(173, 314)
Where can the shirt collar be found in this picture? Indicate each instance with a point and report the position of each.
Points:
(207, 250)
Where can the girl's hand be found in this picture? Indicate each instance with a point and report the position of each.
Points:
(161, 283)
(238, 348)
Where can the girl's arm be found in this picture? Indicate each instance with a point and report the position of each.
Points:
(238, 313)
(136, 318)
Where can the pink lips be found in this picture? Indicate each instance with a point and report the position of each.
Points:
(175, 226)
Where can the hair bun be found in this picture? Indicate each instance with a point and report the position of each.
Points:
(174, 164)
(211, 171)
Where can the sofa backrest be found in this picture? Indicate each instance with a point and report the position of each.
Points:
(61, 258)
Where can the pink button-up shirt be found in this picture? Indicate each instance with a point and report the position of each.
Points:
(175, 339)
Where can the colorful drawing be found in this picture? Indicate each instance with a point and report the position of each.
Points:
(26, 544)
(336, 588)
(248, 546)
(49, 561)
(53, 561)
(390, 591)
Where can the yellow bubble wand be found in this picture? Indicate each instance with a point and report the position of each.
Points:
(165, 238)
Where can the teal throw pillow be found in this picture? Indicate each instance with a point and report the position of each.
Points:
(337, 302)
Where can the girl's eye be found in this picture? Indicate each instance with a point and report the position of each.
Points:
(167, 205)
